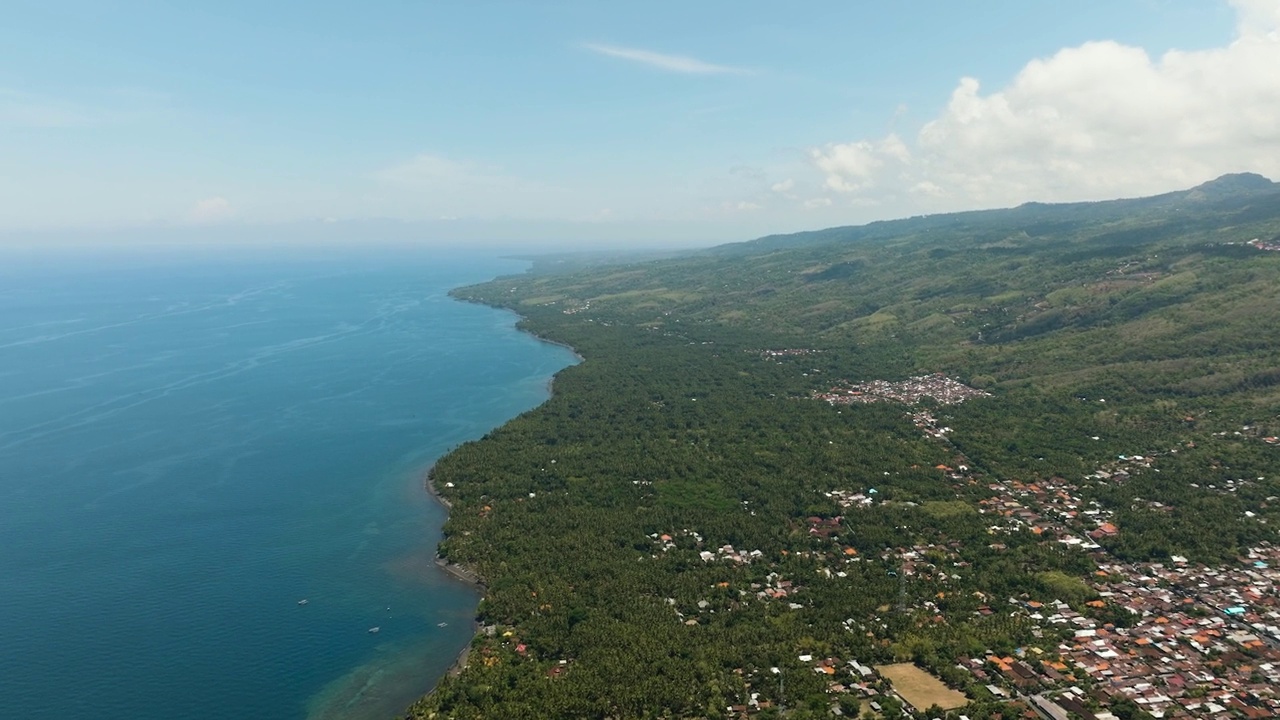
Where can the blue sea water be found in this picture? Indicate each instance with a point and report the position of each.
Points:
(189, 445)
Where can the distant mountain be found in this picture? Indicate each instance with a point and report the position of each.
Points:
(1248, 195)
(1234, 184)
(1240, 181)
(1179, 270)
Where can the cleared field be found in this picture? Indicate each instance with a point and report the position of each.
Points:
(920, 688)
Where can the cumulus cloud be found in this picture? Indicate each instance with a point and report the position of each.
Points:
(783, 187)
(210, 210)
(1095, 121)
(855, 166)
(670, 63)
(1258, 17)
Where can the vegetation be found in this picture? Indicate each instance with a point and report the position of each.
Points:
(1143, 327)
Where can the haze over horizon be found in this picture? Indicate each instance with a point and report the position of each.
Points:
(571, 122)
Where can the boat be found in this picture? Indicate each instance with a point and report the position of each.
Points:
(374, 629)
(303, 601)
(443, 624)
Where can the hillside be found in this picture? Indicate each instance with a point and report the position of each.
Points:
(958, 441)
(1094, 286)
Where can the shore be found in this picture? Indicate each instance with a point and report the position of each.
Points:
(462, 572)
(557, 343)
(551, 381)
(519, 317)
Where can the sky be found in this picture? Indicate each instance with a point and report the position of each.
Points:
(652, 123)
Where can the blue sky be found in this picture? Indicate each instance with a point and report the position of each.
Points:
(655, 122)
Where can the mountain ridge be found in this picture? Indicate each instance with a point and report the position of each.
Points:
(1232, 191)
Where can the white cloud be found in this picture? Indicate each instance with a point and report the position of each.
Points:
(211, 210)
(1258, 17)
(670, 63)
(739, 206)
(816, 203)
(1095, 121)
(783, 187)
(924, 187)
(852, 167)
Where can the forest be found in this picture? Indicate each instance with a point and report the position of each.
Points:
(684, 521)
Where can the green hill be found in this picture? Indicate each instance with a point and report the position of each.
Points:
(758, 459)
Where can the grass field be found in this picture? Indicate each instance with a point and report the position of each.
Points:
(920, 688)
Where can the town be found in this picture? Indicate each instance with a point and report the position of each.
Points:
(1194, 641)
(939, 387)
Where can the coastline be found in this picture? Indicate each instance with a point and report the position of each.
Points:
(520, 317)
(459, 571)
(551, 381)
(557, 343)
(466, 575)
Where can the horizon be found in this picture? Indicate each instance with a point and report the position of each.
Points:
(569, 126)
(386, 235)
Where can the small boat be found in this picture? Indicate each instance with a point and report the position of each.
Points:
(374, 629)
(443, 624)
(303, 601)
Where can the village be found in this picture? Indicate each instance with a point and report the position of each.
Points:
(942, 389)
(1197, 641)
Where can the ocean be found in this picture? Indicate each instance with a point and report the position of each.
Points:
(193, 443)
